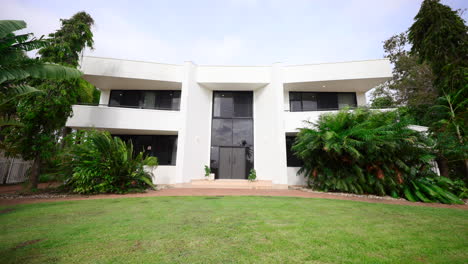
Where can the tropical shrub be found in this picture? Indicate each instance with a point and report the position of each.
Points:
(365, 151)
(105, 164)
(431, 190)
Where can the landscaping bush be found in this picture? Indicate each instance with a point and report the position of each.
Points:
(369, 152)
(101, 163)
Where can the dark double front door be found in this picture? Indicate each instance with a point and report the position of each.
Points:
(232, 163)
(232, 134)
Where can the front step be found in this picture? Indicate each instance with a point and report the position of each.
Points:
(231, 184)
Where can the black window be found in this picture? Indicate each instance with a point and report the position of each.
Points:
(147, 99)
(327, 101)
(295, 101)
(320, 101)
(291, 159)
(309, 101)
(164, 147)
(232, 126)
(232, 104)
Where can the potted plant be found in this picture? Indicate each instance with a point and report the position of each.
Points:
(209, 176)
(252, 175)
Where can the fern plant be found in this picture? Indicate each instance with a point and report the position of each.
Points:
(363, 151)
(106, 164)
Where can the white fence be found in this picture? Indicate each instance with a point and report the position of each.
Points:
(13, 170)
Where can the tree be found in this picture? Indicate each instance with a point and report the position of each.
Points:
(383, 101)
(16, 68)
(440, 39)
(65, 47)
(411, 84)
(44, 116)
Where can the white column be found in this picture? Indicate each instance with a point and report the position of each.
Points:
(361, 98)
(105, 96)
(194, 140)
(269, 134)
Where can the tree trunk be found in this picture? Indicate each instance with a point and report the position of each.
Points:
(443, 166)
(65, 132)
(466, 170)
(35, 171)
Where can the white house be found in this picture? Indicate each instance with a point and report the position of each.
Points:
(231, 118)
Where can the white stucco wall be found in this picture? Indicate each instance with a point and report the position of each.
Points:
(164, 174)
(124, 118)
(368, 69)
(294, 179)
(98, 66)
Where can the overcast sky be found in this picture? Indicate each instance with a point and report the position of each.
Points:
(243, 32)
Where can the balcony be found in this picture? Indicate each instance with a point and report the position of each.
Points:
(117, 118)
(295, 120)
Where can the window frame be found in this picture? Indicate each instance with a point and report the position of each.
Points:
(157, 102)
(155, 141)
(299, 94)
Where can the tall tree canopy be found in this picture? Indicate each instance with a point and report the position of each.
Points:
(67, 43)
(44, 116)
(411, 84)
(440, 38)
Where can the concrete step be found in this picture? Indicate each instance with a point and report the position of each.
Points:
(231, 184)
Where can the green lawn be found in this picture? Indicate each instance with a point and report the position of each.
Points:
(231, 230)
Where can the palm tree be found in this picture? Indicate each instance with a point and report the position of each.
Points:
(16, 67)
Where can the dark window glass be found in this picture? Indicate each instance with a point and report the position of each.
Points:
(221, 133)
(313, 101)
(295, 101)
(131, 98)
(164, 147)
(223, 104)
(242, 132)
(148, 99)
(232, 104)
(125, 98)
(327, 101)
(168, 99)
(309, 102)
(292, 160)
(116, 98)
(243, 105)
(346, 100)
(214, 162)
(175, 100)
(232, 134)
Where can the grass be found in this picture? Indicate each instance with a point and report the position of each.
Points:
(231, 230)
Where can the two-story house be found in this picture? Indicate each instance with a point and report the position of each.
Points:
(231, 118)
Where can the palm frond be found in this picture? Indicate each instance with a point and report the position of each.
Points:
(9, 26)
(39, 71)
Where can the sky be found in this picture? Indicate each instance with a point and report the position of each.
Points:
(230, 32)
